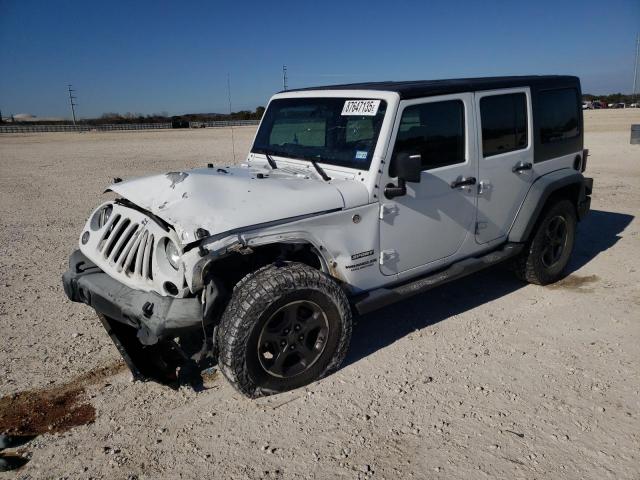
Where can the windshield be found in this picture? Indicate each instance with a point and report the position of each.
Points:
(336, 131)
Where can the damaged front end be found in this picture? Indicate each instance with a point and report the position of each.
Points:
(142, 265)
(160, 338)
(124, 270)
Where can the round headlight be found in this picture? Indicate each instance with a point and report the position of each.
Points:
(172, 253)
(101, 217)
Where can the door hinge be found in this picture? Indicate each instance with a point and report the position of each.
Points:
(484, 187)
(387, 209)
(387, 255)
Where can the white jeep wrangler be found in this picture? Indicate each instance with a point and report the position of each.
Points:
(352, 197)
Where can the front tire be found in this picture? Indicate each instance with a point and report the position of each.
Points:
(550, 248)
(284, 327)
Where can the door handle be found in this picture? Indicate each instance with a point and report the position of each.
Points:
(521, 167)
(463, 182)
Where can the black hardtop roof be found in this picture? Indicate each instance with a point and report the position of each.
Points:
(425, 88)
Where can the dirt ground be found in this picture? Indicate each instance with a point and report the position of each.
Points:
(483, 378)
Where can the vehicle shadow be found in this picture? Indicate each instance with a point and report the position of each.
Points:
(598, 232)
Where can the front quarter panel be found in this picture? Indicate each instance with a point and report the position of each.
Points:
(348, 241)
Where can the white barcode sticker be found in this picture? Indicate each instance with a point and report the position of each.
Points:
(361, 107)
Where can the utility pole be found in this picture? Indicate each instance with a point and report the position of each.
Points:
(233, 140)
(635, 70)
(284, 78)
(72, 103)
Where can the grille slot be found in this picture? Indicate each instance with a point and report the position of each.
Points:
(115, 236)
(124, 243)
(146, 270)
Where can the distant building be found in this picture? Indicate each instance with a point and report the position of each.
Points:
(27, 117)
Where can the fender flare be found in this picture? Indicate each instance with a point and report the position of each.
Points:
(539, 192)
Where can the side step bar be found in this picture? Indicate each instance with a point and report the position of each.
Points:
(381, 297)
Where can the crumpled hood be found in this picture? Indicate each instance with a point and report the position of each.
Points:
(226, 199)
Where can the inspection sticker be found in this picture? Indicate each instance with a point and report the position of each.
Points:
(361, 154)
(361, 107)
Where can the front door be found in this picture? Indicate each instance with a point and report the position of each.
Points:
(506, 159)
(433, 219)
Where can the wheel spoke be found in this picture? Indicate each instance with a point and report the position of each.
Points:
(548, 233)
(271, 337)
(557, 253)
(291, 315)
(306, 353)
(278, 364)
(315, 321)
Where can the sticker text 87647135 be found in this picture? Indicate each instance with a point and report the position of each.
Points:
(361, 107)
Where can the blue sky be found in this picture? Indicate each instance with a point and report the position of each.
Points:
(154, 56)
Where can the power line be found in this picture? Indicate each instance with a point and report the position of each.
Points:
(72, 103)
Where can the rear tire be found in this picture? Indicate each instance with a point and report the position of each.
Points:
(284, 327)
(549, 251)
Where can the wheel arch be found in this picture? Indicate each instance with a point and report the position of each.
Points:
(243, 259)
(545, 190)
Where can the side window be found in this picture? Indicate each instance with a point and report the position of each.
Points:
(504, 123)
(558, 114)
(435, 131)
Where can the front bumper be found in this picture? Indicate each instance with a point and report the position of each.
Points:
(153, 316)
(141, 324)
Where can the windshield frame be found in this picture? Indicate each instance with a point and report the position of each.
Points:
(318, 95)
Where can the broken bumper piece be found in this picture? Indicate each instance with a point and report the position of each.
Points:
(141, 324)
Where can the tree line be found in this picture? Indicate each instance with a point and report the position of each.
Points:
(164, 117)
(111, 118)
(611, 98)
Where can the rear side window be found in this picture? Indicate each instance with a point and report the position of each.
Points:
(558, 112)
(435, 131)
(504, 123)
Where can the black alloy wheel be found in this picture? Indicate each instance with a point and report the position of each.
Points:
(556, 235)
(293, 338)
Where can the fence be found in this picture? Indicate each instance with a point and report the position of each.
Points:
(81, 128)
(224, 123)
(121, 126)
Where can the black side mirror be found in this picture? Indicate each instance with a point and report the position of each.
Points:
(408, 169)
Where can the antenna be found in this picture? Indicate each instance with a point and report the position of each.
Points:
(284, 78)
(72, 103)
(635, 70)
(233, 141)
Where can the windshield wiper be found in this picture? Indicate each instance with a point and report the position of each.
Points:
(320, 170)
(272, 162)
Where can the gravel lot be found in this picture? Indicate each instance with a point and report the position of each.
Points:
(483, 378)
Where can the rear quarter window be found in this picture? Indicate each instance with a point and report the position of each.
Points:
(558, 115)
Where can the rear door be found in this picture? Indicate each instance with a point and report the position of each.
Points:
(505, 159)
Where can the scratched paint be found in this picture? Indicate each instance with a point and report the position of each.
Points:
(176, 178)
